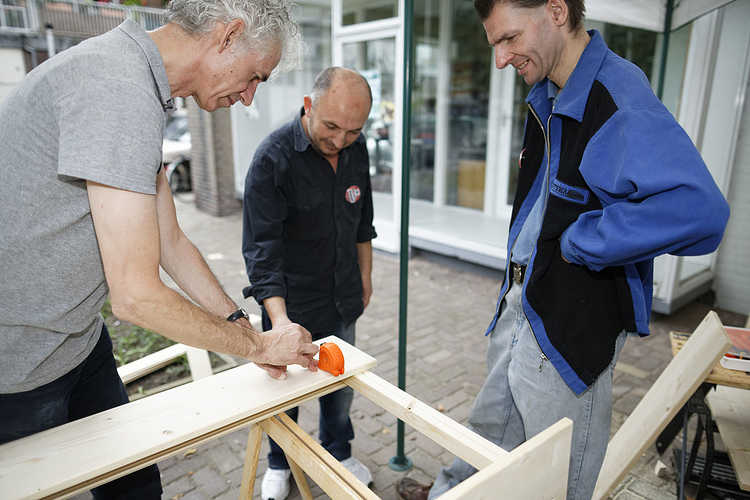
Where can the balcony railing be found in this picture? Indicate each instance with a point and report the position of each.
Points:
(74, 18)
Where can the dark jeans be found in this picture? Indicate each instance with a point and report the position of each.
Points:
(334, 426)
(91, 387)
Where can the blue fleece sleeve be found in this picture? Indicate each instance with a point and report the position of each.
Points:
(657, 194)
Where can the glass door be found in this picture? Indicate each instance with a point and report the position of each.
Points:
(367, 36)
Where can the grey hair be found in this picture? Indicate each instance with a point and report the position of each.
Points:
(325, 79)
(267, 23)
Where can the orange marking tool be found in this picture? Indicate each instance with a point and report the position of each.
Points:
(331, 359)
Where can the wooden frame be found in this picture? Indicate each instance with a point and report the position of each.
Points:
(121, 440)
(677, 382)
(730, 409)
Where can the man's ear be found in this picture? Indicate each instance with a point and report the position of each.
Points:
(231, 33)
(558, 10)
(307, 104)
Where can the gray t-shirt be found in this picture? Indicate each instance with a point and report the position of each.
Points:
(93, 112)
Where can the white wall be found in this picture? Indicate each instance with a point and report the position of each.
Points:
(732, 281)
(12, 70)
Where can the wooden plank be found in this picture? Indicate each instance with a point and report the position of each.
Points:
(329, 459)
(200, 364)
(148, 364)
(718, 374)
(667, 395)
(321, 466)
(730, 408)
(448, 433)
(191, 443)
(101, 447)
(252, 452)
(300, 479)
(535, 470)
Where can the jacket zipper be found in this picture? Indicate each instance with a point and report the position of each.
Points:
(545, 133)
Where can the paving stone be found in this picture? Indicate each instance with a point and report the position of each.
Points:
(224, 458)
(210, 481)
(648, 490)
(452, 399)
(183, 466)
(627, 403)
(195, 494)
(365, 444)
(628, 495)
(177, 489)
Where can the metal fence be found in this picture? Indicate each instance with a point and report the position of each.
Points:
(73, 18)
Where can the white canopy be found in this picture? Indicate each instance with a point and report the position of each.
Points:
(649, 14)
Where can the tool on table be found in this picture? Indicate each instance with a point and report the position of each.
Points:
(331, 359)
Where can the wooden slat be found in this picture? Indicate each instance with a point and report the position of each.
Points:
(101, 447)
(448, 433)
(252, 452)
(300, 479)
(730, 409)
(147, 364)
(199, 363)
(535, 470)
(321, 466)
(667, 395)
(718, 374)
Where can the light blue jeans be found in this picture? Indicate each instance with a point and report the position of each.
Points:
(523, 395)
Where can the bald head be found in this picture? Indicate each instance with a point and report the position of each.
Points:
(337, 79)
(336, 110)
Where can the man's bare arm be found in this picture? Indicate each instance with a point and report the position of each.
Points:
(127, 229)
(182, 261)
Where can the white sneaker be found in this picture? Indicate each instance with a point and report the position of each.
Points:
(275, 485)
(359, 470)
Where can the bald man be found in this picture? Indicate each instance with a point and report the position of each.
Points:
(307, 240)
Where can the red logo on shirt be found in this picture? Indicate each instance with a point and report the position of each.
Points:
(353, 193)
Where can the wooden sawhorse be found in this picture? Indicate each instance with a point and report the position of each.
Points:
(80, 455)
(499, 470)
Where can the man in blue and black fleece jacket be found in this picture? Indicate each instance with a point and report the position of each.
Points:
(608, 181)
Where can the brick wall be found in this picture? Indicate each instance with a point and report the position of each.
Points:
(212, 163)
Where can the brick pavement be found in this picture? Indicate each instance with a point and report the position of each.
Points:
(450, 303)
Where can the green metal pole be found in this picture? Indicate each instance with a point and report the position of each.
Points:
(401, 462)
(665, 48)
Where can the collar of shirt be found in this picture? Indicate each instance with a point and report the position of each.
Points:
(302, 142)
(552, 90)
(572, 98)
(155, 62)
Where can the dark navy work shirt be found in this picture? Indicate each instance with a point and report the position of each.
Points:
(302, 222)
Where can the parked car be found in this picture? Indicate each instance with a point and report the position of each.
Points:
(176, 151)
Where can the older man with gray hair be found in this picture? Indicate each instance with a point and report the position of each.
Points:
(88, 213)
